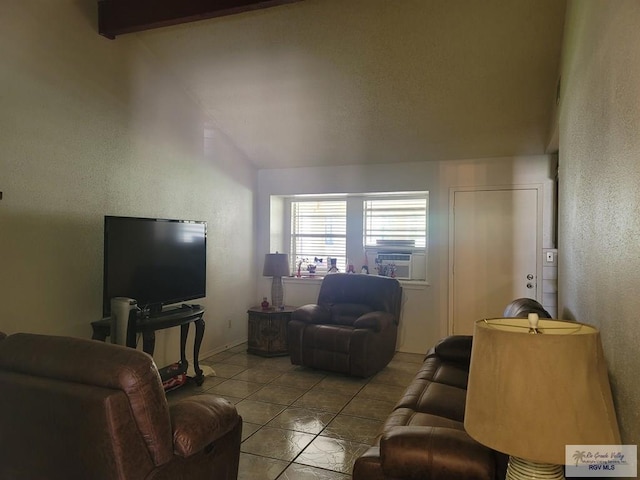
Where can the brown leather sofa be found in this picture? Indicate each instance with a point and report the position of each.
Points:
(424, 436)
(522, 307)
(353, 327)
(81, 409)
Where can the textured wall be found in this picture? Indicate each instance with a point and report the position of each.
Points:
(90, 127)
(335, 82)
(599, 206)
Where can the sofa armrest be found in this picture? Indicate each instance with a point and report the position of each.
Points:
(434, 453)
(3, 335)
(199, 421)
(367, 466)
(376, 321)
(456, 348)
(312, 313)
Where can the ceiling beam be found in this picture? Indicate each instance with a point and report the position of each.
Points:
(116, 17)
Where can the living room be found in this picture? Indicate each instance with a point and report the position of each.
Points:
(94, 127)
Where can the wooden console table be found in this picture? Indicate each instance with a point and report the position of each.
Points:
(182, 317)
(268, 331)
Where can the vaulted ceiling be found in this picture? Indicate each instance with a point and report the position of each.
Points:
(340, 82)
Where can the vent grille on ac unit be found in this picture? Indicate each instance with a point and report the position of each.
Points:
(392, 257)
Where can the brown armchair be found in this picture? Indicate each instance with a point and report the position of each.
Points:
(75, 408)
(353, 327)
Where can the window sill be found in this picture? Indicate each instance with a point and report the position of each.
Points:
(414, 284)
(304, 278)
(317, 279)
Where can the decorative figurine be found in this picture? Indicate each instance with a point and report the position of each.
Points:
(365, 265)
(350, 267)
(299, 268)
(333, 268)
(319, 266)
(265, 303)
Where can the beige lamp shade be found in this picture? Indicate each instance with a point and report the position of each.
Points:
(276, 265)
(529, 395)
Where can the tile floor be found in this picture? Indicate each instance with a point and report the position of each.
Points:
(299, 423)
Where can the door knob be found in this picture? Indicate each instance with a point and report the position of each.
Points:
(530, 277)
(529, 285)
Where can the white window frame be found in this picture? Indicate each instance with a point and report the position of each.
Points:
(356, 249)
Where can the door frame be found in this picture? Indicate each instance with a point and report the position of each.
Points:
(539, 235)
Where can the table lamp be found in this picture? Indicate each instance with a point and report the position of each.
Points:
(536, 386)
(276, 265)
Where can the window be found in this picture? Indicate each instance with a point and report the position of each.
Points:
(319, 229)
(395, 222)
(354, 227)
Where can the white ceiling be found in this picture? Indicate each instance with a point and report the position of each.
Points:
(340, 82)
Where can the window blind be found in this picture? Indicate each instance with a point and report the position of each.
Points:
(395, 222)
(319, 229)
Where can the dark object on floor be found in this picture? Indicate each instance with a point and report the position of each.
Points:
(353, 327)
(175, 382)
(75, 408)
(424, 436)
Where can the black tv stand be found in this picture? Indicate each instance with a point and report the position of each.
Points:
(147, 326)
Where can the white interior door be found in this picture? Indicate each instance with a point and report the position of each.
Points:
(494, 252)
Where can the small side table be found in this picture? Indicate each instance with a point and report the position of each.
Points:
(172, 317)
(268, 331)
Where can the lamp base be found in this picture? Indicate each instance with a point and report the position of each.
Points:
(521, 469)
(277, 293)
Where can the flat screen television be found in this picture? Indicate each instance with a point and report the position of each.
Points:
(154, 261)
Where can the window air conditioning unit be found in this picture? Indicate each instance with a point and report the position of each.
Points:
(408, 265)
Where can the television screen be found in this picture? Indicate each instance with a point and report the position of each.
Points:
(154, 261)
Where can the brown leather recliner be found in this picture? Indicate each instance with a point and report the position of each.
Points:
(353, 327)
(75, 408)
